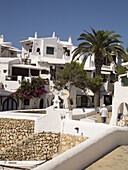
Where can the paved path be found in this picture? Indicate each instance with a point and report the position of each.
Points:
(98, 117)
(115, 160)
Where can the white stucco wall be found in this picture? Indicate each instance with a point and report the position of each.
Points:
(86, 129)
(120, 96)
(11, 85)
(51, 122)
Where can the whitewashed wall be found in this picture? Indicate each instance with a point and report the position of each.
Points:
(120, 96)
(51, 122)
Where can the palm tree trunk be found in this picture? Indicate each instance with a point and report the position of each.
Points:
(97, 99)
(98, 65)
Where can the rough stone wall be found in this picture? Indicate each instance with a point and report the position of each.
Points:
(18, 142)
(69, 141)
(41, 146)
(14, 130)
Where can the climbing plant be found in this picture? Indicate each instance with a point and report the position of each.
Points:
(29, 90)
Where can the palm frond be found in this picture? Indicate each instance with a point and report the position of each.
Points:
(109, 56)
(94, 32)
(115, 36)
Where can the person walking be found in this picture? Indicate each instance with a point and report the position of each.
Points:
(104, 113)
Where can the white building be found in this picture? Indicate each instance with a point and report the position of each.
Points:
(51, 54)
(12, 72)
(44, 57)
(120, 98)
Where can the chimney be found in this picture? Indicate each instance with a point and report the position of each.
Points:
(35, 34)
(53, 35)
(58, 39)
(2, 39)
(70, 39)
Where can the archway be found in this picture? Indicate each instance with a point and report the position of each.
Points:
(41, 103)
(123, 108)
(83, 101)
(9, 104)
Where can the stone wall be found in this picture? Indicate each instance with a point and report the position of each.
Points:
(14, 130)
(68, 141)
(18, 142)
(41, 146)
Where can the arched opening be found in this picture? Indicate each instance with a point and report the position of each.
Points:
(38, 50)
(83, 101)
(122, 114)
(9, 104)
(41, 103)
(123, 108)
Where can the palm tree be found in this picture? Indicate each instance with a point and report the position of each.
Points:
(102, 44)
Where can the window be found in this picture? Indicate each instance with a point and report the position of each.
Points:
(67, 52)
(26, 102)
(44, 72)
(50, 50)
(107, 100)
(30, 50)
(38, 50)
(20, 71)
(4, 71)
(34, 72)
(33, 64)
(9, 104)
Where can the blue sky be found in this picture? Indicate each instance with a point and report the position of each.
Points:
(21, 18)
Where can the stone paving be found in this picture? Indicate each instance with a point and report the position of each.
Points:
(115, 160)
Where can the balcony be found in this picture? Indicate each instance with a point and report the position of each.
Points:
(11, 78)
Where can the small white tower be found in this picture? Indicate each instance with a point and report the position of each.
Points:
(53, 35)
(35, 34)
(58, 39)
(1, 39)
(70, 39)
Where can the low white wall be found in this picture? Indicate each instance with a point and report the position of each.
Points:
(51, 122)
(89, 151)
(77, 113)
(86, 129)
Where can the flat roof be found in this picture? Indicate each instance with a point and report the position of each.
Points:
(10, 48)
(19, 115)
(27, 66)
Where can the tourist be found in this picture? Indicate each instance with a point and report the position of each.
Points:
(104, 113)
